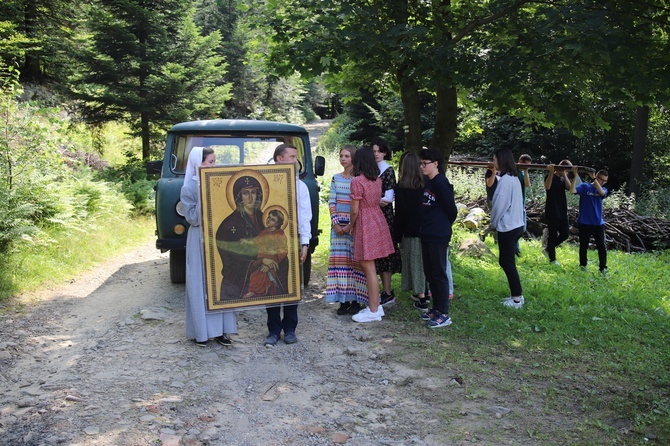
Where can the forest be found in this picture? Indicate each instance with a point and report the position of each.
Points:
(585, 80)
(88, 91)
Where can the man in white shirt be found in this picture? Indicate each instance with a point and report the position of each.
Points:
(288, 154)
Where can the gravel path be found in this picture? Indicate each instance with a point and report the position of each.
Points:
(103, 360)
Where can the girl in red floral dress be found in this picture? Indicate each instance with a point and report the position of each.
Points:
(372, 238)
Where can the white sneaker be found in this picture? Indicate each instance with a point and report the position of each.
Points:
(365, 315)
(509, 302)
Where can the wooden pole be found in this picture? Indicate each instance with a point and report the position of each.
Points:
(485, 164)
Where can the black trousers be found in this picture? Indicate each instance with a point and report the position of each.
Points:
(435, 267)
(288, 323)
(598, 233)
(559, 231)
(507, 259)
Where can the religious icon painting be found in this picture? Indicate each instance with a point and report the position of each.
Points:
(250, 231)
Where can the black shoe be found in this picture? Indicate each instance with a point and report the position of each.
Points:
(423, 305)
(354, 308)
(201, 343)
(271, 340)
(344, 308)
(386, 298)
(290, 338)
(224, 340)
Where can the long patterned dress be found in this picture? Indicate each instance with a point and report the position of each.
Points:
(345, 281)
(391, 263)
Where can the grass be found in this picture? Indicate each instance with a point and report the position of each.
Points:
(68, 254)
(587, 350)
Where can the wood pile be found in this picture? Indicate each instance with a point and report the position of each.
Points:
(624, 229)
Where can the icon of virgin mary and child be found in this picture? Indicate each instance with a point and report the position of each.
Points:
(252, 243)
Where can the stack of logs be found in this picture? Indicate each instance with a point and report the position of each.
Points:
(624, 229)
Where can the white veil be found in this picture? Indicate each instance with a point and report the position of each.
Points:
(192, 165)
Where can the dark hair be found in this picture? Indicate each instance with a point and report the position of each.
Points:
(506, 163)
(206, 151)
(525, 158)
(410, 173)
(602, 172)
(402, 157)
(280, 216)
(365, 164)
(281, 149)
(432, 155)
(383, 147)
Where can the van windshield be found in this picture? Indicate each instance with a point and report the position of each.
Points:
(233, 149)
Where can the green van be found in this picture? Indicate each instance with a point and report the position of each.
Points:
(235, 141)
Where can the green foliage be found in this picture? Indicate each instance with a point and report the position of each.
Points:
(38, 36)
(56, 215)
(15, 222)
(132, 179)
(28, 161)
(12, 42)
(654, 202)
(338, 134)
(148, 65)
(609, 149)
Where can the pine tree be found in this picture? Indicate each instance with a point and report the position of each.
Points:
(147, 64)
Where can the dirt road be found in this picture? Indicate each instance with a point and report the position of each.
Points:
(104, 360)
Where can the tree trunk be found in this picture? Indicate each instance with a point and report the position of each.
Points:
(146, 136)
(31, 70)
(446, 115)
(639, 142)
(409, 94)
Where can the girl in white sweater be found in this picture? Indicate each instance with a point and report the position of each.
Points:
(507, 217)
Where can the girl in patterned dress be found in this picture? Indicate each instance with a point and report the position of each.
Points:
(390, 264)
(345, 282)
(372, 238)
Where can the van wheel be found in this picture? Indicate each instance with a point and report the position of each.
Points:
(177, 265)
(307, 269)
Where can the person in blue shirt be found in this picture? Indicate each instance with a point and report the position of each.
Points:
(590, 219)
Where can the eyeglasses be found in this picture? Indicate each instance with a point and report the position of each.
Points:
(427, 163)
(604, 180)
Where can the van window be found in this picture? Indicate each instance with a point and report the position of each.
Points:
(233, 149)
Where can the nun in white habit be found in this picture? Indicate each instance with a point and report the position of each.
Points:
(201, 325)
